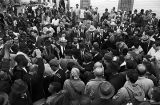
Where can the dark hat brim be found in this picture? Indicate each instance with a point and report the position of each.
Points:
(102, 96)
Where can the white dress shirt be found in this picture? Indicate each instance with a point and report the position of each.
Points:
(55, 22)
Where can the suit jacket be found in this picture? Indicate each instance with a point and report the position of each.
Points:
(37, 87)
(97, 57)
(117, 81)
(135, 18)
(39, 41)
(83, 34)
(32, 80)
(61, 53)
(59, 77)
(15, 48)
(154, 22)
(50, 53)
(88, 66)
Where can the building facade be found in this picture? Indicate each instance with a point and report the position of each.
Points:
(125, 5)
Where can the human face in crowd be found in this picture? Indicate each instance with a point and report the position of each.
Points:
(153, 16)
(135, 32)
(118, 13)
(33, 68)
(16, 41)
(75, 40)
(50, 88)
(135, 12)
(77, 5)
(34, 34)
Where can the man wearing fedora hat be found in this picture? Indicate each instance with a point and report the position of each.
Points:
(105, 92)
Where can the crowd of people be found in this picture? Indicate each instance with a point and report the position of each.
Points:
(51, 56)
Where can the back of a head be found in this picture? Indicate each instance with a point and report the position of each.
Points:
(98, 72)
(21, 60)
(98, 64)
(130, 64)
(132, 75)
(141, 68)
(70, 65)
(75, 73)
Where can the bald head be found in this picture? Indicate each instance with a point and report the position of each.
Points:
(141, 68)
(98, 64)
(98, 72)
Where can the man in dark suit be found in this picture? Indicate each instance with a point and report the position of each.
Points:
(75, 44)
(62, 47)
(37, 39)
(59, 74)
(97, 56)
(154, 20)
(15, 46)
(135, 17)
(32, 77)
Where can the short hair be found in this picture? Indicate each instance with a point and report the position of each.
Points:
(141, 68)
(130, 64)
(21, 60)
(153, 14)
(56, 86)
(132, 75)
(70, 65)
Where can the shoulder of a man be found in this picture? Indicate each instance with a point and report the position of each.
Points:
(144, 80)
